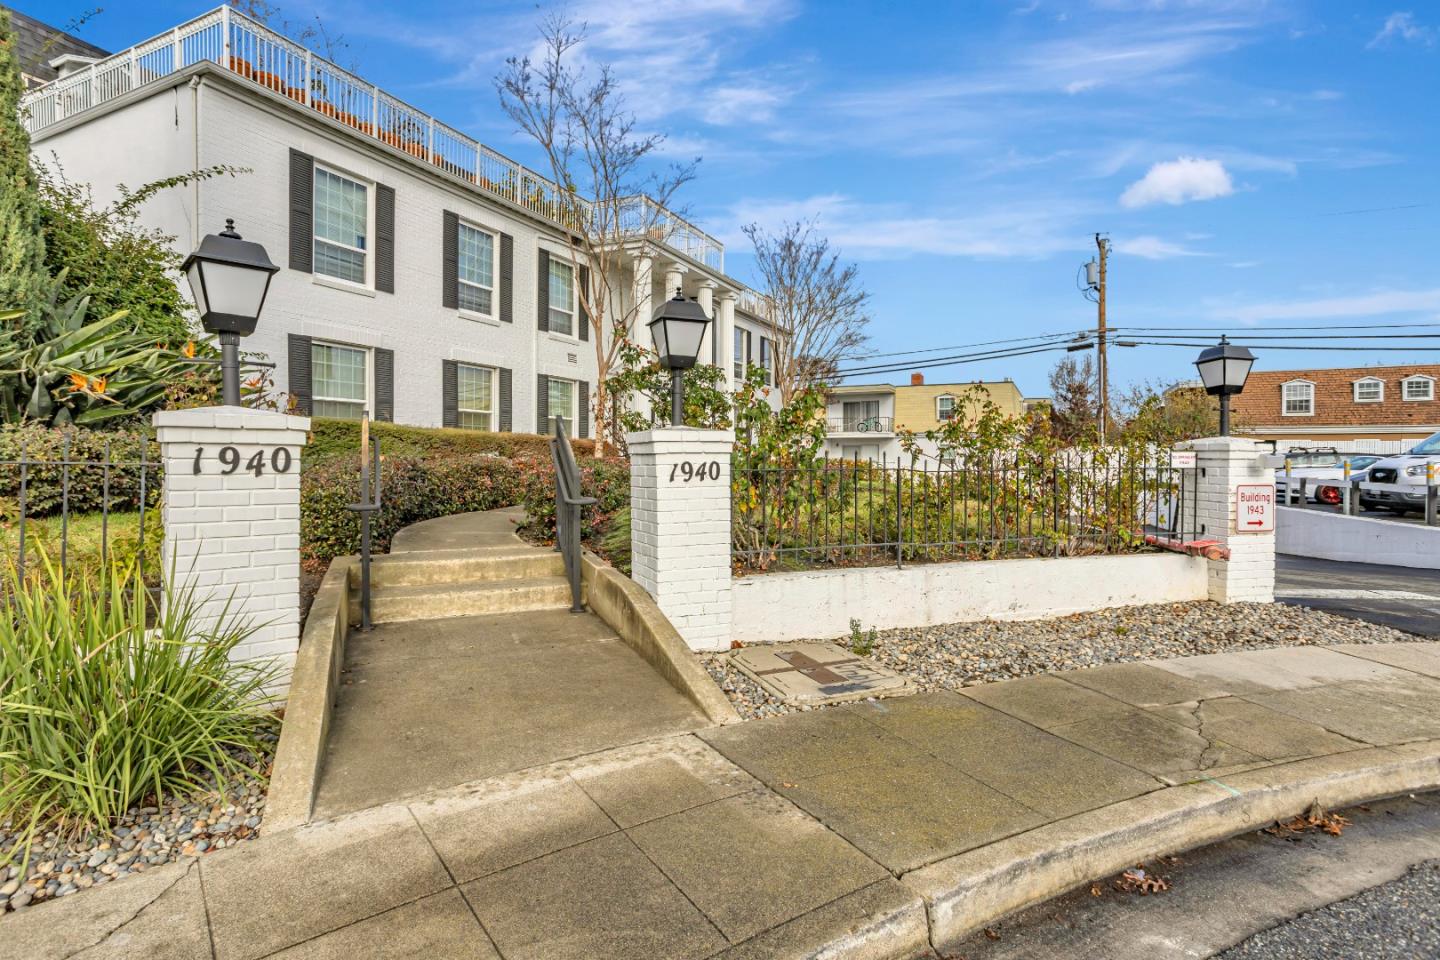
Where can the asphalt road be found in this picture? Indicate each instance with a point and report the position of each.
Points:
(1285, 896)
(1399, 597)
(1399, 920)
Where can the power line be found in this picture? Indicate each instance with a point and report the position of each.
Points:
(951, 361)
(1308, 326)
(1322, 336)
(1278, 346)
(967, 346)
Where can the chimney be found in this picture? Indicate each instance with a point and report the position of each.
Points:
(917, 379)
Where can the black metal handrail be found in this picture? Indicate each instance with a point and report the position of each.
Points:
(568, 504)
(369, 505)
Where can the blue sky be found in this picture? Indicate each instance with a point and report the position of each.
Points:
(1254, 163)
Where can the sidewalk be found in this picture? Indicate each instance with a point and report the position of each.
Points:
(877, 829)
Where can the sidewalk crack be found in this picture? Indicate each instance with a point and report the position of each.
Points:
(139, 910)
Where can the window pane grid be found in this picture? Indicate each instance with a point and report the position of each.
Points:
(341, 215)
(475, 397)
(1419, 389)
(1298, 398)
(339, 376)
(562, 400)
(562, 298)
(477, 269)
(1369, 390)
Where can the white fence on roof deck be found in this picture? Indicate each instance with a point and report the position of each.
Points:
(250, 50)
(1382, 447)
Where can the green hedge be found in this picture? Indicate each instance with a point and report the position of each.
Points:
(330, 438)
(607, 480)
(44, 487)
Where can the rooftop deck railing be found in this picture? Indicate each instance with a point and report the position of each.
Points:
(250, 50)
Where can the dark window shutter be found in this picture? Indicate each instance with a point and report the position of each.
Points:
(384, 238)
(542, 403)
(302, 212)
(449, 388)
(450, 261)
(385, 385)
(583, 389)
(507, 278)
(584, 313)
(542, 295)
(507, 404)
(301, 385)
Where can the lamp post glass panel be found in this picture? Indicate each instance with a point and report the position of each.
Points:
(1224, 369)
(678, 328)
(229, 278)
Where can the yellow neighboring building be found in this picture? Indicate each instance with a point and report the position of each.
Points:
(864, 420)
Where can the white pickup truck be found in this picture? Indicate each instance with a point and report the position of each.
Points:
(1398, 483)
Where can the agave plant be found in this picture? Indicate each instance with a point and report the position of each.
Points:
(66, 369)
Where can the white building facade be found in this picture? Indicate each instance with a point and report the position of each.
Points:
(424, 277)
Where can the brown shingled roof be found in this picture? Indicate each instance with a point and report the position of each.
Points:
(1335, 405)
(38, 43)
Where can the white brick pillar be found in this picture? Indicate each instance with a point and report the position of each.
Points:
(235, 533)
(1223, 464)
(680, 528)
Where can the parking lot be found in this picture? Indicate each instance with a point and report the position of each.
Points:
(1368, 514)
(1400, 597)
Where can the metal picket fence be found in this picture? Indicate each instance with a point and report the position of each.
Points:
(998, 505)
(79, 507)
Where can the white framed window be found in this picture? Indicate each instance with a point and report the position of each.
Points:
(1297, 399)
(341, 218)
(477, 270)
(944, 407)
(1418, 387)
(562, 398)
(861, 415)
(562, 297)
(1369, 390)
(474, 397)
(340, 380)
(742, 352)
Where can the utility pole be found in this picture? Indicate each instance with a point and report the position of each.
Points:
(1103, 246)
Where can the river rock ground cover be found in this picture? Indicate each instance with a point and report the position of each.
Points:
(954, 655)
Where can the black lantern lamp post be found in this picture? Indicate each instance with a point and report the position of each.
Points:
(229, 278)
(1224, 369)
(678, 328)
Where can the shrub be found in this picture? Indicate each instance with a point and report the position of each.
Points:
(414, 489)
(106, 699)
(330, 438)
(607, 480)
(44, 488)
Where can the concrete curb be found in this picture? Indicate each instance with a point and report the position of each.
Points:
(295, 775)
(631, 612)
(969, 891)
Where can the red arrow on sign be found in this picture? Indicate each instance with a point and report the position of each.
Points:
(1254, 523)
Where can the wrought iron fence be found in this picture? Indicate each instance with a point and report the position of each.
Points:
(78, 509)
(1013, 504)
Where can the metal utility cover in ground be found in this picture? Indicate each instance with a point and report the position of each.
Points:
(817, 673)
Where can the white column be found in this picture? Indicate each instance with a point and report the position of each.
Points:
(725, 328)
(705, 296)
(680, 528)
(233, 534)
(644, 307)
(674, 279)
(1222, 465)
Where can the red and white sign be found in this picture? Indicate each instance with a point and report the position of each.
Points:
(1255, 508)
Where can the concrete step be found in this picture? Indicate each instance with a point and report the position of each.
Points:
(395, 604)
(460, 566)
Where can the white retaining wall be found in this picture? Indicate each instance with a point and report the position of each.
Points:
(1333, 536)
(820, 604)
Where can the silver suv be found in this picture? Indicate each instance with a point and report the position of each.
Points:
(1398, 483)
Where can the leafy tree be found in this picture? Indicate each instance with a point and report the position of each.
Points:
(24, 282)
(707, 405)
(1167, 413)
(1074, 398)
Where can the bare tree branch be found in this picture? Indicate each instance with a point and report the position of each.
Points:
(605, 191)
(818, 308)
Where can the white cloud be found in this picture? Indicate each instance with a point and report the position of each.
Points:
(1244, 264)
(1179, 181)
(1403, 26)
(1034, 228)
(1379, 303)
(1154, 248)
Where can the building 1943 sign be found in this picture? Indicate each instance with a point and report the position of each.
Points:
(1255, 508)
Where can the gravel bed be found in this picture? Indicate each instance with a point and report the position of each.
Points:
(145, 838)
(961, 654)
(1399, 920)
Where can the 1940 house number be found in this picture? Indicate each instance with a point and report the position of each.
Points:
(688, 472)
(279, 460)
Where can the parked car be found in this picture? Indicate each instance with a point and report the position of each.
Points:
(1397, 483)
(1324, 474)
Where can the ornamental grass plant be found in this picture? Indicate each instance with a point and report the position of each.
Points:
(109, 700)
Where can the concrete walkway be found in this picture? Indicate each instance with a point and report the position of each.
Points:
(878, 829)
(426, 704)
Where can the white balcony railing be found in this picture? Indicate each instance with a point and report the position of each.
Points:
(250, 50)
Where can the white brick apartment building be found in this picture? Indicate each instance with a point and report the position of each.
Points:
(422, 280)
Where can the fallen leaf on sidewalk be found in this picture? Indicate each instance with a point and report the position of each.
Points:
(1316, 818)
(1095, 890)
(1138, 881)
(992, 934)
